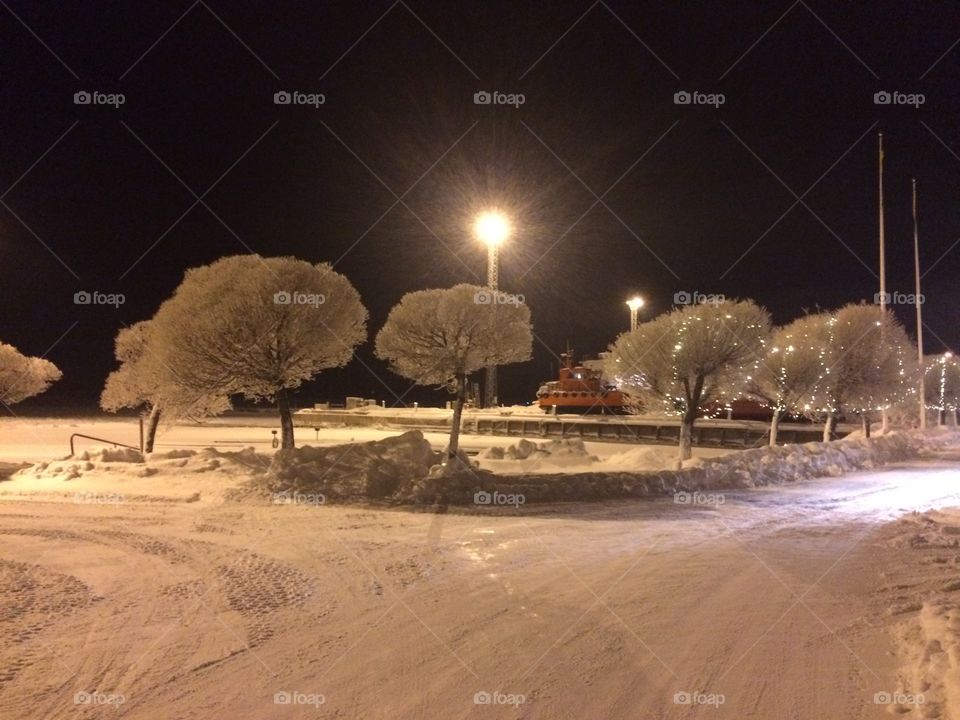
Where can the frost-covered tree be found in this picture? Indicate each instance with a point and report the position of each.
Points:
(942, 384)
(258, 327)
(689, 357)
(868, 362)
(22, 376)
(786, 379)
(143, 382)
(440, 337)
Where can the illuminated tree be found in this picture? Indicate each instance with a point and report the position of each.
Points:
(143, 382)
(22, 376)
(786, 379)
(689, 357)
(868, 365)
(440, 337)
(942, 384)
(258, 327)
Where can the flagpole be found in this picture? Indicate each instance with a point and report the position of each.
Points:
(917, 302)
(885, 421)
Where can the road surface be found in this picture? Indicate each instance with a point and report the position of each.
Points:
(777, 603)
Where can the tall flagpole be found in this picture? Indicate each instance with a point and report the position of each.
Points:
(917, 302)
(885, 422)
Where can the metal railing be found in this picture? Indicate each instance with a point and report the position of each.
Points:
(98, 439)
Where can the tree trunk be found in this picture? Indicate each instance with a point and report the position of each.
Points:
(775, 426)
(286, 419)
(830, 427)
(686, 437)
(152, 422)
(454, 445)
(865, 424)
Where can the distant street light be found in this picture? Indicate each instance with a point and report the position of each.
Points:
(492, 228)
(634, 303)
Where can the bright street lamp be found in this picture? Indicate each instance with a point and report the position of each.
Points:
(492, 228)
(634, 303)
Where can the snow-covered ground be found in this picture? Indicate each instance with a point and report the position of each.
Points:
(833, 598)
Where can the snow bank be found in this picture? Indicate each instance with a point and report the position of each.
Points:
(735, 470)
(929, 643)
(372, 469)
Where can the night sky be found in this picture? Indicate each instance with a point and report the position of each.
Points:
(612, 187)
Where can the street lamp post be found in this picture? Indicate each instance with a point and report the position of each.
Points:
(634, 303)
(492, 228)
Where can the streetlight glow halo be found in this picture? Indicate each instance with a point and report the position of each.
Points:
(492, 227)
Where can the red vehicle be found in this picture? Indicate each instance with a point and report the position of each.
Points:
(580, 389)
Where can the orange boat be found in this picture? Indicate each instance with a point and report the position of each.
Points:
(580, 389)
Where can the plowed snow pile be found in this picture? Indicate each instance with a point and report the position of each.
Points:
(118, 474)
(372, 469)
(560, 455)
